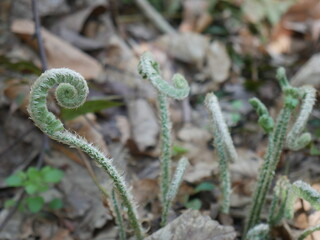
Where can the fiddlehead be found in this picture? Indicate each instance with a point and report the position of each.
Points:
(300, 189)
(276, 142)
(225, 148)
(265, 120)
(148, 68)
(71, 93)
(72, 85)
(297, 140)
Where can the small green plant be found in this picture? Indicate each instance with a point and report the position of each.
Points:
(196, 203)
(278, 137)
(35, 181)
(224, 145)
(71, 92)
(282, 207)
(149, 69)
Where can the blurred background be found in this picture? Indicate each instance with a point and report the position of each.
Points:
(230, 47)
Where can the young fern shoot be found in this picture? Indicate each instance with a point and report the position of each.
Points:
(277, 137)
(149, 69)
(297, 140)
(71, 92)
(224, 145)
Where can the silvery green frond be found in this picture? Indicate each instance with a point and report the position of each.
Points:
(300, 189)
(71, 92)
(174, 187)
(297, 140)
(148, 68)
(219, 123)
(225, 148)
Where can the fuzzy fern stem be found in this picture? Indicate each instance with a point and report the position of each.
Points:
(149, 69)
(71, 92)
(118, 216)
(225, 148)
(309, 231)
(276, 142)
(297, 140)
(173, 188)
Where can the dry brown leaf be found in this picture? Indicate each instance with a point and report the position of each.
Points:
(190, 133)
(308, 73)
(14, 90)
(182, 47)
(144, 124)
(302, 13)
(124, 128)
(59, 53)
(247, 165)
(62, 234)
(192, 225)
(195, 16)
(218, 62)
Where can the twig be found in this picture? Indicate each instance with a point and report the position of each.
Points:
(38, 35)
(45, 144)
(19, 196)
(154, 16)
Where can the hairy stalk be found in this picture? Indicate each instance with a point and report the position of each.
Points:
(71, 92)
(275, 146)
(300, 189)
(276, 213)
(309, 231)
(148, 68)
(165, 146)
(225, 148)
(297, 140)
(118, 216)
(287, 194)
(173, 189)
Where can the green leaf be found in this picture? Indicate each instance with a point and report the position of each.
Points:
(14, 180)
(178, 150)
(9, 203)
(35, 204)
(52, 175)
(235, 118)
(34, 174)
(237, 104)
(194, 204)
(205, 186)
(89, 107)
(31, 188)
(56, 204)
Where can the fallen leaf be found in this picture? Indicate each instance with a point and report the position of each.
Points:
(195, 16)
(59, 53)
(192, 225)
(218, 62)
(144, 124)
(308, 73)
(182, 47)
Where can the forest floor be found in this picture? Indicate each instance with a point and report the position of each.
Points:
(231, 48)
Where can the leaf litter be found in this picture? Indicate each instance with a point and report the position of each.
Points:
(87, 37)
